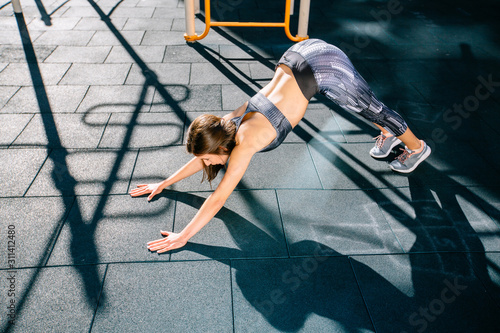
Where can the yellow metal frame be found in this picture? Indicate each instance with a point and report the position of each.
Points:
(209, 24)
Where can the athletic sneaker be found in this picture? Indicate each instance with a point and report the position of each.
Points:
(384, 145)
(410, 159)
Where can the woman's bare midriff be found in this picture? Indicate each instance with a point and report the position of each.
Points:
(284, 92)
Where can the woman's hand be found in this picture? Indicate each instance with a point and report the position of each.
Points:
(142, 189)
(171, 241)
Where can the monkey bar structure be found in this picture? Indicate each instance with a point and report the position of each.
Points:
(193, 6)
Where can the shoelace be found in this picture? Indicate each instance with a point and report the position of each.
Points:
(404, 156)
(380, 140)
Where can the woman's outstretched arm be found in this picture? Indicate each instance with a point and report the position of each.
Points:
(238, 164)
(189, 169)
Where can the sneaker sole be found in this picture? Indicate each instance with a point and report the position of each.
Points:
(427, 153)
(394, 144)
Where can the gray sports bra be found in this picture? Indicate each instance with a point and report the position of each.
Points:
(260, 103)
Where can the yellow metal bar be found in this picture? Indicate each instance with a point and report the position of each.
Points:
(209, 24)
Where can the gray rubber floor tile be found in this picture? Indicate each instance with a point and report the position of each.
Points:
(329, 218)
(234, 96)
(15, 53)
(248, 225)
(289, 166)
(148, 24)
(56, 299)
(312, 294)
(84, 172)
(35, 225)
(166, 286)
(318, 125)
(84, 11)
(61, 99)
(96, 24)
(79, 54)
(488, 199)
(163, 37)
(354, 128)
(185, 53)
(431, 219)
(96, 74)
(165, 74)
(18, 74)
(112, 228)
(12, 126)
(168, 12)
(20, 168)
(116, 98)
(6, 94)
(221, 73)
(147, 54)
(107, 38)
(143, 12)
(143, 130)
(193, 98)
(448, 160)
(63, 130)
(486, 268)
(349, 166)
(73, 38)
(159, 3)
(58, 23)
(426, 292)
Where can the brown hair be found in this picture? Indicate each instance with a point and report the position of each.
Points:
(209, 134)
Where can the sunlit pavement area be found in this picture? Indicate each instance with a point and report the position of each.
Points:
(96, 97)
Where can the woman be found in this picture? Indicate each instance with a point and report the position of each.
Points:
(262, 123)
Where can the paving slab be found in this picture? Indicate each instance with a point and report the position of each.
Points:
(134, 307)
(310, 294)
(18, 74)
(60, 99)
(185, 53)
(63, 130)
(15, 53)
(486, 268)
(349, 166)
(54, 299)
(329, 218)
(6, 94)
(12, 126)
(438, 292)
(84, 172)
(21, 168)
(222, 73)
(101, 229)
(35, 225)
(433, 219)
(106, 38)
(201, 98)
(66, 37)
(168, 38)
(239, 230)
(144, 130)
(96, 74)
(164, 74)
(58, 23)
(116, 99)
(148, 54)
(96, 24)
(79, 54)
(148, 24)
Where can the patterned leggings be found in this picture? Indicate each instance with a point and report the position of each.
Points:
(339, 81)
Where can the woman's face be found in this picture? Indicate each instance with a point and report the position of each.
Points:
(211, 159)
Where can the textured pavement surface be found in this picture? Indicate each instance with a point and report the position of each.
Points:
(96, 97)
